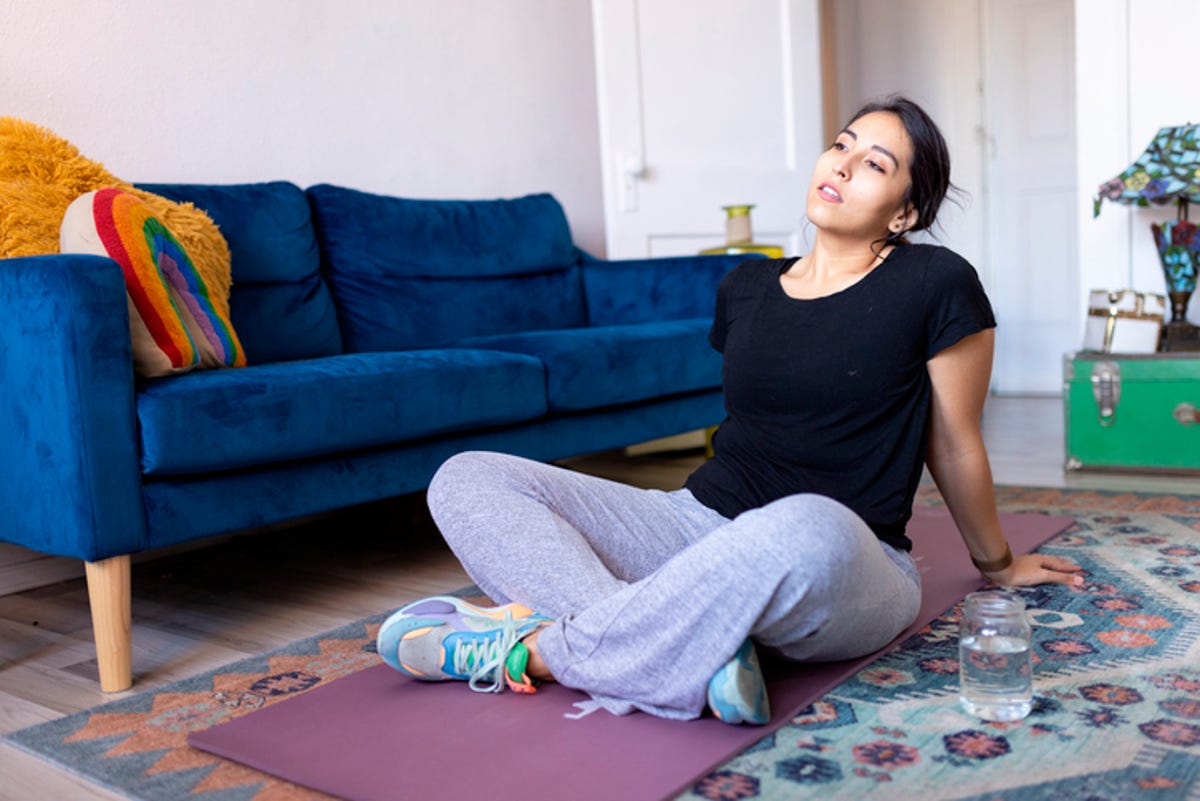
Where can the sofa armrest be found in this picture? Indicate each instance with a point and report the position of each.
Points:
(647, 290)
(70, 480)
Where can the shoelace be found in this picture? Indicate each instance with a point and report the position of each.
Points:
(488, 656)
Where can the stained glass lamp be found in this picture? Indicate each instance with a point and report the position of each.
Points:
(1168, 172)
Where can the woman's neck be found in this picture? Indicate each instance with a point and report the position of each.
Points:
(834, 262)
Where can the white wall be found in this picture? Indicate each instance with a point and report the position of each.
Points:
(1135, 73)
(419, 98)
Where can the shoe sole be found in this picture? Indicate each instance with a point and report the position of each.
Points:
(430, 612)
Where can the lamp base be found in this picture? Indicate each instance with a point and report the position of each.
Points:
(1180, 337)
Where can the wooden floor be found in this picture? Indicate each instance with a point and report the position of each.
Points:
(199, 610)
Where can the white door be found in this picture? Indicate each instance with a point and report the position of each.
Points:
(704, 104)
(1029, 82)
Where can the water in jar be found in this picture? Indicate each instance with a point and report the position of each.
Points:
(995, 669)
(994, 675)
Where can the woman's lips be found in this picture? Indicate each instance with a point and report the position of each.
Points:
(827, 192)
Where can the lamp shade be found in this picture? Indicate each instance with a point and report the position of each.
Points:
(1166, 172)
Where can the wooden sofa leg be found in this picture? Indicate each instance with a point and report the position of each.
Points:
(109, 591)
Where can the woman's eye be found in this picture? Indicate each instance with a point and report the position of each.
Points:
(875, 165)
(837, 146)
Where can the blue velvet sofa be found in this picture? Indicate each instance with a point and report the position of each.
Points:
(383, 336)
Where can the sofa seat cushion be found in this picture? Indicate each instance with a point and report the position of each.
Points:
(587, 368)
(226, 419)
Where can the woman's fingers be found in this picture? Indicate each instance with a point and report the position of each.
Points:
(1058, 562)
(1033, 569)
(1062, 577)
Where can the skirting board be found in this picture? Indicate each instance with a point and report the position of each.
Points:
(22, 569)
(687, 441)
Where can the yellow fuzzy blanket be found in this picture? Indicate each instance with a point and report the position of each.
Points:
(41, 173)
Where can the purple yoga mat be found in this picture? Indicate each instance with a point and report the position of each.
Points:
(379, 736)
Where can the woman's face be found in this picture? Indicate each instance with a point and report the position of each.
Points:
(859, 183)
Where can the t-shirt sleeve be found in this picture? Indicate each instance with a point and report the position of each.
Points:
(956, 305)
(716, 335)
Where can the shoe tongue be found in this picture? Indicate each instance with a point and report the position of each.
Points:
(518, 659)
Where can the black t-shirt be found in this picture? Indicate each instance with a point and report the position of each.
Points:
(831, 395)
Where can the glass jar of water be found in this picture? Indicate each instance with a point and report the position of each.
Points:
(994, 667)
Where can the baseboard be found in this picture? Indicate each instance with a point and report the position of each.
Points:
(22, 569)
(687, 441)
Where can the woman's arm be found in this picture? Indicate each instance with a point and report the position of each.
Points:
(958, 461)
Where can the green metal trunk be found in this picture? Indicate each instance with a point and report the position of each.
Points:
(1132, 412)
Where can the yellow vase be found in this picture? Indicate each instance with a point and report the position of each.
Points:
(739, 236)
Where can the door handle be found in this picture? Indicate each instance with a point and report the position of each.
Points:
(633, 165)
(1186, 414)
(630, 168)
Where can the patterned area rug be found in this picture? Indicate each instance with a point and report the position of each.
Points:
(1116, 685)
(1116, 716)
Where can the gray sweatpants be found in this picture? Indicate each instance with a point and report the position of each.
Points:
(652, 592)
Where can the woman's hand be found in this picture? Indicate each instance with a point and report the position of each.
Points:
(1036, 568)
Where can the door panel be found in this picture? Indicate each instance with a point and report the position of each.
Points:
(1030, 82)
(705, 103)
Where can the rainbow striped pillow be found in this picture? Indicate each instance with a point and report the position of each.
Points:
(174, 325)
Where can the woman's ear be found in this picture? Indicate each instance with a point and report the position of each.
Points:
(904, 220)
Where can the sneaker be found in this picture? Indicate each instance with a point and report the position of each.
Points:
(446, 638)
(738, 692)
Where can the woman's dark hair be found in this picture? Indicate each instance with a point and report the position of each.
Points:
(930, 165)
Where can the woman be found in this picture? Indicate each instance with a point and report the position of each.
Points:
(844, 372)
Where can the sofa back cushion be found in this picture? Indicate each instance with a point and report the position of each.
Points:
(279, 304)
(426, 273)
